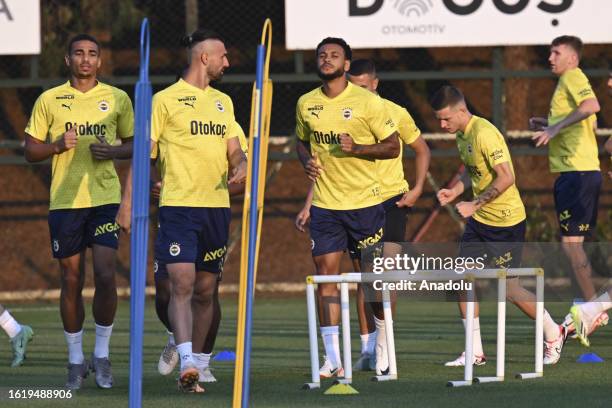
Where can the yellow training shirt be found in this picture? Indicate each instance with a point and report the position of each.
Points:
(191, 127)
(391, 171)
(347, 181)
(77, 179)
(575, 147)
(481, 148)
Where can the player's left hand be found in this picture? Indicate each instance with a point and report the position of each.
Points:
(102, 150)
(409, 198)
(543, 137)
(239, 174)
(466, 208)
(346, 143)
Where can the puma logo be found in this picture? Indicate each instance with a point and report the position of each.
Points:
(67, 106)
(315, 114)
(190, 104)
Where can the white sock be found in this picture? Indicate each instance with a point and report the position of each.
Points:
(551, 329)
(75, 347)
(103, 335)
(171, 338)
(202, 360)
(332, 344)
(593, 308)
(364, 342)
(477, 348)
(368, 342)
(381, 333)
(9, 324)
(185, 354)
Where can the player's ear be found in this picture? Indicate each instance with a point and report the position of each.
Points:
(375, 83)
(347, 65)
(67, 59)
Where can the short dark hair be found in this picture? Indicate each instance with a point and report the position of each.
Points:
(348, 54)
(571, 41)
(199, 35)
(362, 66)
(82, 37)
(446, 96)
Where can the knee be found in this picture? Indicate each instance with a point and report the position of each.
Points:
(182, 289)
(203, 298)
(71, 279)
(328, 290)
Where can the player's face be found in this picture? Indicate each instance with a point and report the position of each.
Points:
(367, 81)
(450, 119)
(216, 60)
(84, 59)
(331, 62)
(561, 59)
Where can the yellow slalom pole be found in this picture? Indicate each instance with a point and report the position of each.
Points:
(266, 90)
(265, 134)
(244, 243)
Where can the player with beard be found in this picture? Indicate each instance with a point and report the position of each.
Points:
(193, 137)
(342, 130)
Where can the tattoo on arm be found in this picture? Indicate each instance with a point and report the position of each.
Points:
(489, 195)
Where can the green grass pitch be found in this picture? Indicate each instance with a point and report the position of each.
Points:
(427, 334)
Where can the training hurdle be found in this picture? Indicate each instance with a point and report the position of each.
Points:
(435, 275)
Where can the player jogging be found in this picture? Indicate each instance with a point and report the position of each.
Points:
(342, 130)
(192, 125)
(77, 124)
(570, 132)
(397, 198)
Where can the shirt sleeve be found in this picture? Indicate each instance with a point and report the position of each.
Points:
(493, 148)
(301, 127)
(39, 123)
(380, 120)
(239, 132)
(578, 87)
(125, 121)
(408, 129)
(159, 115)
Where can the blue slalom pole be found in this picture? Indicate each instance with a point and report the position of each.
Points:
(253, 219)
(140, 216)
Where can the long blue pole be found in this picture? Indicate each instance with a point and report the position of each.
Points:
(140, 217)
(253, 221)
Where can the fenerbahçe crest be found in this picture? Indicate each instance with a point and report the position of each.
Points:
(175, 249)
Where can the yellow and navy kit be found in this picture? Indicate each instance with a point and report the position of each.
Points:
(78, 179)
(575, 147)
(481, 148)
(191, 127)
(347, 182)
(391, 171)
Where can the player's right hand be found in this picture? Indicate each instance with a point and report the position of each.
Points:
(446, 196)
(68, 140)
(302, 219)
(313, 168)
(537, 123)
(124, 216)
(156, 189)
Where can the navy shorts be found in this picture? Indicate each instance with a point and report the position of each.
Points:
(73, 230)
(395, 224)
(502, 247)
(576, 201)
(337, 230)
(193, 235)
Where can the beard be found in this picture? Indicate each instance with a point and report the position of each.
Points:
(332, 75)
(215, 75)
